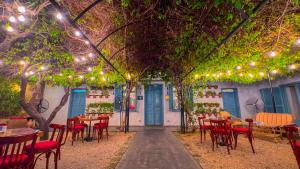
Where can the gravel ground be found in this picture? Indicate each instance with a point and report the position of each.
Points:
(92, 155)
(269, 155)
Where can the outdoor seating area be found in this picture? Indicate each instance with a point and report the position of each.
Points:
(149, 84)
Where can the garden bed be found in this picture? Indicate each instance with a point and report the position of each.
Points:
(92, 155)
(268, 154)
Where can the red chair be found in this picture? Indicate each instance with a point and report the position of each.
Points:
(221, 133)
(13, 155)
(246, 131)
(75, 127)
(99, 127)
(203, 128)
(52, 145)
(292, 131)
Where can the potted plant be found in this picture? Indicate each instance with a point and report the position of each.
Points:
(209, 87)
(214, 111)
(200, 94)
(105, 93)
(220, 94)
(216, 86)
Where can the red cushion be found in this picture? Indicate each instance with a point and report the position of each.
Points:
(240, 130)
(15, 160)
(44, 146)
(297, 144)
(79, 127)
(221, 130)
(205, 126)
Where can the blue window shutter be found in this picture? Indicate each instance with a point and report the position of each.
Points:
(281, 103)
(267, 99)
(171, 100)
(118, 98)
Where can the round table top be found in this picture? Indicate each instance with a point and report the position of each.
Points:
(19, 132)
(88, 119)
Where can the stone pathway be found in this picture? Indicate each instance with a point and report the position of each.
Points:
(157, 148)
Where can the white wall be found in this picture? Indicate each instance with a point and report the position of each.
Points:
(54, 95)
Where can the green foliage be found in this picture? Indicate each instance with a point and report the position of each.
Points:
(9, 94)
(101, 107)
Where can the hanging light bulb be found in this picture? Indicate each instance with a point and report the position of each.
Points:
(26, 74)
(292, 67)
(274, 71)
(31, 72)
(91, 55)
(60, 74)
(81, 77)
(241, 74)
(69, 76)
(86, 42)
(104, 79)
(250, 75)
(101, 73)
(21, 9)
(261, 73)
(12, 19)
(252, 63)
(238, 67)
(128, 76)
(89, 69)
(207, 75)
(196, 76)
(77, 60)
(22, 62)
(77, 33)
(272, 54)
(21, 18)
(59, 16)
(92, 78)
(83, 58)
(298, 42)
(10, 29)
(214, 75)
(43, 68)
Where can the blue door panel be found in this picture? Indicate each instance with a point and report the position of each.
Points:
(153, 105)
(231, 102)
(77, 102)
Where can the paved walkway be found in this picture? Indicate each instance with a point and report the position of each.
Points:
(157, 149)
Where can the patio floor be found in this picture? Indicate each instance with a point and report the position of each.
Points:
(157, 148)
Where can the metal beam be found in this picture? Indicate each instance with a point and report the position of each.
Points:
(86, 10)
(68, 18)
(229, 35)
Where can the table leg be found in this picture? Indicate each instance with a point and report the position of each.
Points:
(89, 138)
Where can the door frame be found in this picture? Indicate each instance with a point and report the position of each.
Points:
(237, 100)
(162, 105)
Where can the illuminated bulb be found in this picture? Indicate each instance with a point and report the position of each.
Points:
(101, 73)
(220, 74)
(274, 71)
(228, 71)
(21, 9)
(252, 63)
(250, 75)
(31, 73)
(22, 62)
(241, 74)
(128, 76)
(12, 19)
(43, 68)
(298, 41)
(77, 33)
(21, 18)
(90, 69)
(77, 60)
(196, 76)
(104, 79)
(81, 77)
(26, 74)
(293, 67)
(83, 58)
(91, 55)
(238, 67)
(92, 78)
(59, 16)
(60, 74)
(214, 75)
(272, 54)
(87, 42)
(207, 75)
(261, 74)
(10, 29)
(69, 76)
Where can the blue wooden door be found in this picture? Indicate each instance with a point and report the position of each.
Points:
(231, 102)
(77, 102)
(154, 105)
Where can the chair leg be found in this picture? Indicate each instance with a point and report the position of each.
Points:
(204, 135)
(98, 135)
(106, 133)
(200, 136)
(227, 143)
(47, 159)
(235, 135)
(213, 141)
(82, 135)
(250, 140)
(55, 159)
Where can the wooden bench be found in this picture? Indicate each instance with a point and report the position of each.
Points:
(273, 122)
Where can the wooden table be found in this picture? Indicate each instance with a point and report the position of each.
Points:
(18, 132)
(86, 119)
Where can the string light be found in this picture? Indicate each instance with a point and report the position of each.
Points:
(104, 79)
(220, 74)
(21, 9)
(128, 76)
(89, 69)
(21, 18)
(274, 71)
(81, 77)
(241, 74)
(261, 74)
(31, 72)
(207, 75)
(101, 73)
(87, 42)
(250, 75)
(59, 16)
(77, 60)
(10, 29)
(43, 68)
(83, 58)
(298, 41)
(22, 62)
(77, 33)
(238, 67)
(26, 74)
(292, 67)
(91, 55)
(252, 63)
(92, 78)
(60, 74)
(12, 19)
(69, 76)
(272, 54)
(214, 75)
(196, 76)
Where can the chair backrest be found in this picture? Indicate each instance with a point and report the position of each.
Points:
(13, 147)
(104, 120)
(58, 132)
(218, 123)
(201, 121)
(72, 122)
(250, 123)
(291, 131)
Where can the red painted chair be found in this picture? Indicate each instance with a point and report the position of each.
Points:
(292, 131)
(75, 127)
(221, 133)
(246, 131)
(13, 155)
(203, 128)
(99, 127)
(50, 146)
